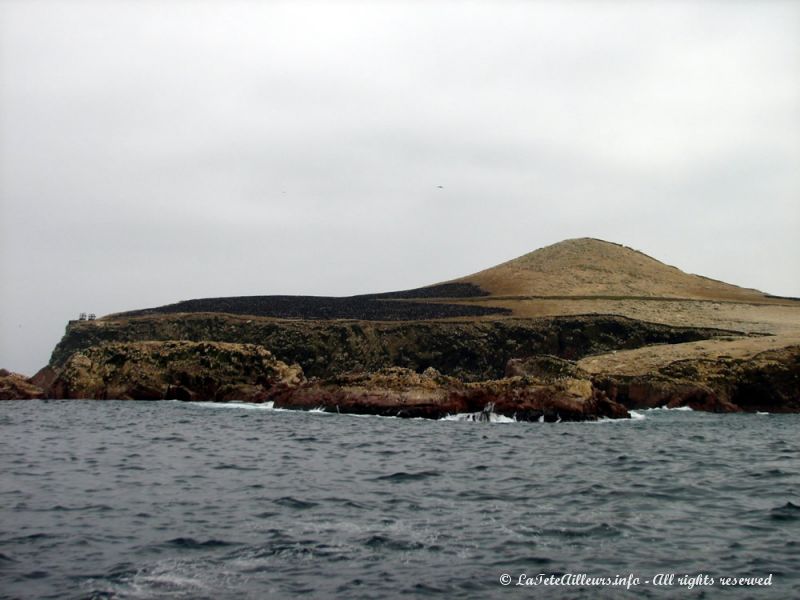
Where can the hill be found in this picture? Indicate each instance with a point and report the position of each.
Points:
(573, 269)
(588, 267)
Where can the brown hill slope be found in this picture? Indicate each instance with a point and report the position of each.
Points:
(591, 267)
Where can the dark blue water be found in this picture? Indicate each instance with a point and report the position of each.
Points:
(172, 500)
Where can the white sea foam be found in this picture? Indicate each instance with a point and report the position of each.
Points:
(638, 415)
(677, 408)
(170, 579)
(245, 405)
(635, 416)
(464, 417)
(476, 417)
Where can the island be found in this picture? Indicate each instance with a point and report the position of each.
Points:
(580, 330)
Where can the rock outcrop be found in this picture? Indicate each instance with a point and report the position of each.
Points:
(405, 393)
(544, 366)
(769, 381)
(216, 371)
(14, 386)
(469, 350)
(388, 368)
(542, 387)
(173, 370)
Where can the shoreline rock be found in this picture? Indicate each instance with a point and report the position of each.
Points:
(400, 392)
(539, 387)
(15, 386)
(171, 370)
(768, 382)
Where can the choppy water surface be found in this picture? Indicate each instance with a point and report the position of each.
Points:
(172, 500)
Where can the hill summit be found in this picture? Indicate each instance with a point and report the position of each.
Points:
(588, 267)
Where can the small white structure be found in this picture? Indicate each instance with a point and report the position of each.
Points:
(92, 316)
(82, 317)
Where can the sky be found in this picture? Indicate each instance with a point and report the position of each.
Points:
(152, 152)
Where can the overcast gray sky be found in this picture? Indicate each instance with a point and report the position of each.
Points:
(157, 151)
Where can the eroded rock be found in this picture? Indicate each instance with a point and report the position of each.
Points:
(769, 381)
(402, 392)
(14, 386)
(173, 370)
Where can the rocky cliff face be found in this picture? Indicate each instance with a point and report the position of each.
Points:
(769, 381)
(14, 386)
(470, 350)
(519, 366)
(405, 393)
(172, 370)
(242, 372)
(541, 387)
(358, 362)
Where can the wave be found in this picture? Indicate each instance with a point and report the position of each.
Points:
(403, 476)
(479, 417)
(166, 579)
(473, 417)
(635, 416)
(787, 512)
(189, 543)
(246, 405)
(676, 409)
(295, 503)
(270, 406)
(638, 414)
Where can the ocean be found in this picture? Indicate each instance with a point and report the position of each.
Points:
(186, 500)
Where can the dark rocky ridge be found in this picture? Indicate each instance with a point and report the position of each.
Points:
(470, 350)
(389, 306)
(441, 290)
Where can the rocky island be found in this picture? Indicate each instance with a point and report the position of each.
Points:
(580, 330)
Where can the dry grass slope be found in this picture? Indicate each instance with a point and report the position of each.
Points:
(591, 267)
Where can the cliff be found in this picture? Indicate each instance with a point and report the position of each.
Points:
(768, 382)
(173, 370)
(471, 350)
(14, 386)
